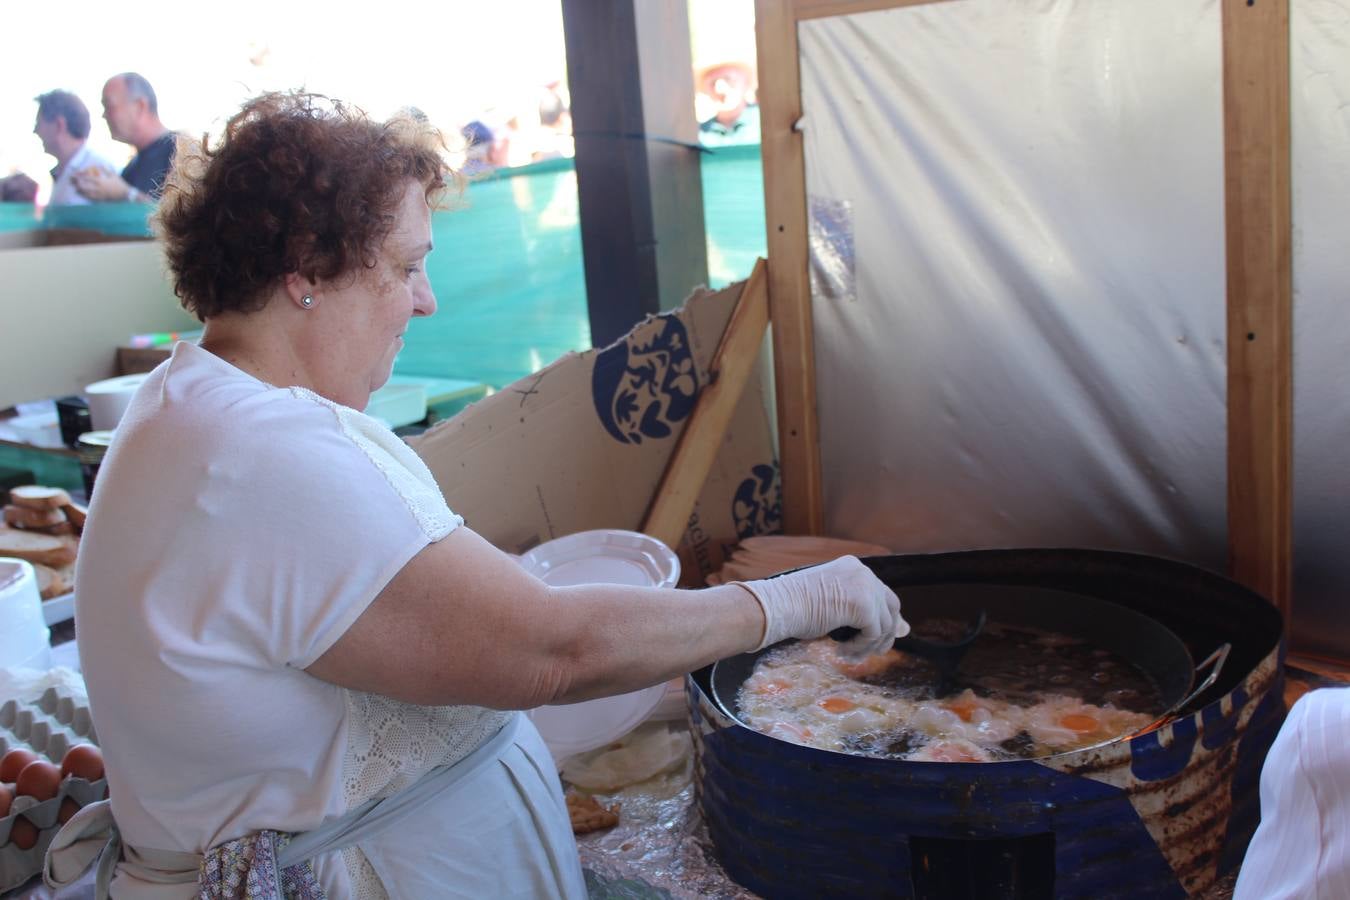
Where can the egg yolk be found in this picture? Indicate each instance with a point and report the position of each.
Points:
(1079, 723)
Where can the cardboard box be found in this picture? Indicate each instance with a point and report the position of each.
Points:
(583, 443)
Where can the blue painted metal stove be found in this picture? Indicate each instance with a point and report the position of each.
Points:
(1162, 815)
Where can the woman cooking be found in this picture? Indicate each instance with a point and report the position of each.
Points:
(297, 656)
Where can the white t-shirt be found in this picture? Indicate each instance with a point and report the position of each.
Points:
(1301, 851)
(64, 192)
(236, 531)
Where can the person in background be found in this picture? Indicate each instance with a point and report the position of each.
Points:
(729, 86)
(132, 112)
(18, 188)
(290, 623)
(63, 127)
(1302, 847)
(477, 148)
(554, 139)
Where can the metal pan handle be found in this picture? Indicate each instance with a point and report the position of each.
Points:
(1215, 659)
(1215, 662)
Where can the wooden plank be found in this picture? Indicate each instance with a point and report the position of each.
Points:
(820, 9)
(1260, 288)
(702, 437)
(1303, 674)
(789, 288)
(1332, 669)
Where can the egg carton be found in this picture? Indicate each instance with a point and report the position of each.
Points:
(48, 726)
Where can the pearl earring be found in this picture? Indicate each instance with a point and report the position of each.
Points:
(307, 301)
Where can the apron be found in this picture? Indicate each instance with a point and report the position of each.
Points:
(277, 865)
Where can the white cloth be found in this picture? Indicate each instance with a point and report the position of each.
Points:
(236, 531)
(63, 185)
(1302, 848)
(506, 839)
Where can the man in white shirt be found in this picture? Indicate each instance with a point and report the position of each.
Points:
(63, 126)
(1302, 849)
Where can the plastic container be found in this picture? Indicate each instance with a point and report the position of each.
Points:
(73, 415)
(109, 398)
(25, 639)
(48, 726)
(39, 429)
(605, 556)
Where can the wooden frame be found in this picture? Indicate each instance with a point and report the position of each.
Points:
(1259, 288)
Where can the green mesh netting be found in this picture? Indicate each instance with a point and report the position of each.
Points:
(507, 269)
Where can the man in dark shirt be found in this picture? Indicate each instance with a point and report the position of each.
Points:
(132, 113)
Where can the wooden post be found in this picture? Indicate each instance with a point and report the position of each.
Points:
(637, 159)
(789, 288)
(1260, 289)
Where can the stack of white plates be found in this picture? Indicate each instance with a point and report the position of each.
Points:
(109, 398)
(600, 557)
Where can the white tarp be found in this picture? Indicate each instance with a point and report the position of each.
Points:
(1018, 279)
(1032, 352)
(1320, 107)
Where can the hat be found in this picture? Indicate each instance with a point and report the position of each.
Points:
(707, 74)
(476, 133)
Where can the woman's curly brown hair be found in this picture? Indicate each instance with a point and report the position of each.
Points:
(299, 184)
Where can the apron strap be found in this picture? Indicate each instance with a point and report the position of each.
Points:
(78, 844)
(91, 834)
(375, 816)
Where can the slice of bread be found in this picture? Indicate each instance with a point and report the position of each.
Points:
(76, 514)
(60, 528)
(28, 517)
(51, 583)
(46, 549)
(35, 496)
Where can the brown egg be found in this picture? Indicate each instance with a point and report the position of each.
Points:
(12, 763)
(39, 780)
(6, 798)
(23, 833)
(68, 808)
(83, 761)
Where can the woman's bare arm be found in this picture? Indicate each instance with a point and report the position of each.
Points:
(463, 623)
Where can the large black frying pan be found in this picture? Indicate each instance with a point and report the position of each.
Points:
(1148, 644)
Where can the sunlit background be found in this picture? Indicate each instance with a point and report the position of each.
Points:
(456, 61)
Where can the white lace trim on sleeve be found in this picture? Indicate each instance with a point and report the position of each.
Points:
(402, 468)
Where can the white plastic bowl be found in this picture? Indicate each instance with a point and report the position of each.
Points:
(24, 640)
(605, 556)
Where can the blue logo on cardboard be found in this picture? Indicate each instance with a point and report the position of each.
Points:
(647, 383)
(757, 507)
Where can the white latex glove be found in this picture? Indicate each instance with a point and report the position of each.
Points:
(815, 601)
